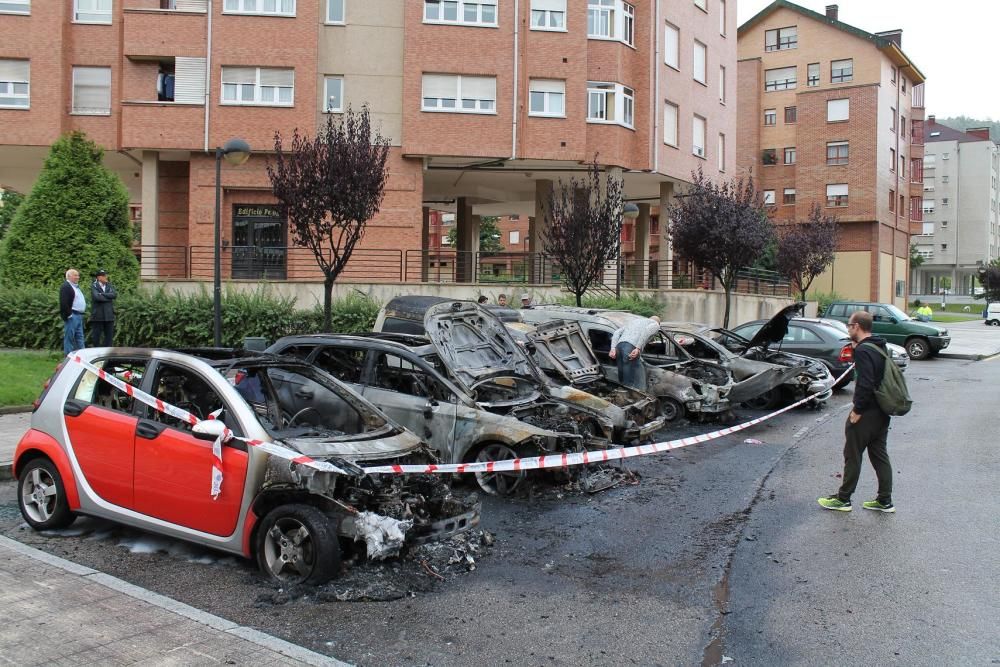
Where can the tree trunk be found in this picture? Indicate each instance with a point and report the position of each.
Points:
(327, 305)
(579, 299)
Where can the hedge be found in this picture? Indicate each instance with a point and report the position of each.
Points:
(29, 318)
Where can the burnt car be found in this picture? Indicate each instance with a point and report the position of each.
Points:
(680, 382)
(564, 364)
(292, 493)
(466, 388)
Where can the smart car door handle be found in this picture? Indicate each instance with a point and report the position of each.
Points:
(303, 394)
(74, 408)
(149, 429)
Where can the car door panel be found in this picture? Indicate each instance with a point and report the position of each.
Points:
(103, 444)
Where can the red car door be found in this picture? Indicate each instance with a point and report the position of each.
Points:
(103, 444)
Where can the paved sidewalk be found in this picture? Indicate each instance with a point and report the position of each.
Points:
(59, 613)
(12, 427)
(971, 340)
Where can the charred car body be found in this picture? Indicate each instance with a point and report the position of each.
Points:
(466, 388)
(563, 362)
(93, 449)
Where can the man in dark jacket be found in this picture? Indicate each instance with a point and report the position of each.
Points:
(72, 306)
(102, 317)
(867, 426)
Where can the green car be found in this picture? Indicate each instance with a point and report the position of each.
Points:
(921, 340)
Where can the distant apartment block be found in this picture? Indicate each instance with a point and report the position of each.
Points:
(833, 115)
(961, 210)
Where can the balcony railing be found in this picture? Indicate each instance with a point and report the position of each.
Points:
(435, 266)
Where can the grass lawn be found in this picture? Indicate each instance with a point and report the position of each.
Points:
(955, 317)
(22, 374)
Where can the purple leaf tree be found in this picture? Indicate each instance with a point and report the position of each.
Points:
(806, 249)
(331, 186)
(721, 227)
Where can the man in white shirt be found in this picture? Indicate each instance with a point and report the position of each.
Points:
(72, 306)
(626, 345)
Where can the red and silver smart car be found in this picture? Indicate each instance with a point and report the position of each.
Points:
(94, 449)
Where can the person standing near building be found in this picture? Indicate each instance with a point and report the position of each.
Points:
(867, 425)
(102, 316)
(626, 345)
(72, 306)
(502, 300)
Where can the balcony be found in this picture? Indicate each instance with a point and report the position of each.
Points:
(163, 125)
(154, 32)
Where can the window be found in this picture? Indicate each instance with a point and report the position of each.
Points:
(454, 93)
(610, 103)
(722, 152)
(514, 237)
(90, 389)
(902, 205)
(944, 201)
(700, 55)
(14, 84)
(276, 7)
(927, 205)
(769, 197)
(335, 11)
(769, 156)
(670, 124)
(836, 195)
(92, 91)
(917, 171)
(812, 75)
(782, 78)
(770, 116)
(791, 114)
(548, 14)
(611, 19)
(790, 155)
(462, 12)
(547, 97)
(837, 110)
(892, 159)
(781, 39)
(722, 17)
(902, 84)
(837, 152)
(698, 136)
(892, 119)
(628, 24)
(722, 84)
(15, 6)
(902, 128)
(672, 47)
(841, 71)
(701, 4)
(892, 201)
(92, 11)
(258, 85)
(333, 87)
(788, 196)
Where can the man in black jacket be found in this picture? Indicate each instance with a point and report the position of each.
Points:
(867, 426)
(72, 306)
(102, 318)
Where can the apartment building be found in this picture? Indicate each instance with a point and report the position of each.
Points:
(961, 210)
(833, 115)
(487, 104)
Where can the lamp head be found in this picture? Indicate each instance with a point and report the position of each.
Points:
(236, 152)
(630, 211)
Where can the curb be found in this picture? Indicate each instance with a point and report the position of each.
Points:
(251, 635)
(6, 471)
(14, 409)
(967, 357)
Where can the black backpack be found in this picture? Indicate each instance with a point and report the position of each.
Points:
(891, 394)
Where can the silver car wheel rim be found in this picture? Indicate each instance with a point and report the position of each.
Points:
(498, 483)
(39, 495)
(289, 550)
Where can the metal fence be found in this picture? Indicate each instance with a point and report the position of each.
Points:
(374, 265)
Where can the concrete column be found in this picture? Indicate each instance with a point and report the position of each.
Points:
(150, 213)
(539, 270)
(640, 255)
(425, 242)
(466, 242)
(666, 258)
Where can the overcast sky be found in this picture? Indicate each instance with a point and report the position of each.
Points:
(948, 42)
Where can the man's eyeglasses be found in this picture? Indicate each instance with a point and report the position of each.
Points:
(851, 324)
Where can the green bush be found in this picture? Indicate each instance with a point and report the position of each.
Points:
(633, 303)
(29, 318)
(75, 216)
(824, 299)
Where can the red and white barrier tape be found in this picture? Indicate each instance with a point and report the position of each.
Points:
(562, 460)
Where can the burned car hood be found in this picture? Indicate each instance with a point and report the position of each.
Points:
(356, 449)
(567, 350)
(777, 327)
(474, 343)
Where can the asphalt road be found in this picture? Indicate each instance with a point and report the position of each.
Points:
(719, 555)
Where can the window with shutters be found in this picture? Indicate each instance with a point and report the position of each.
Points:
(722, 152)
(481, 13)
(15, 6)
(610, 103)
(780, 39)
(15, 84)
(700, 62)
(722, 84)
(836, 195)
(265, 7)
(92, 91)
(838, 110)
(335, 12)
(548, 15)
(456, 93)
(812, 75)
(722, 17)
(261, 86)
(698, 136)
(547, 97)
(670, 124)
(768, 197)
(189, 80)
(791, 114)
(333, 94)
(837, 152)
(672, 46)
(790, 155)
(788, 196)
(770, 117)
(782, 78)
(92, 11)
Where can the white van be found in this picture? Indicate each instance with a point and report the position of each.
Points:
(992, 314)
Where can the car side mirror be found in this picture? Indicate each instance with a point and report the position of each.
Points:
(208, 429)
(893, 320)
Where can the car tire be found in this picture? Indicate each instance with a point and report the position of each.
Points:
(671, 409)
(994, 323)
(41, 496)
(297, 544)
(918, 348)
(766, 401)
(498, 483)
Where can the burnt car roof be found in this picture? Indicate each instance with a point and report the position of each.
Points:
(388, 340)
(413, 307)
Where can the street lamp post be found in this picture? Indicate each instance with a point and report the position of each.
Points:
(236, 152)
(629, 212)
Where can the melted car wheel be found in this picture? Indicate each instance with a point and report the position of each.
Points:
(42, 496)
(769, 399)
(498, 483)
(671, 409)
(298, 544)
